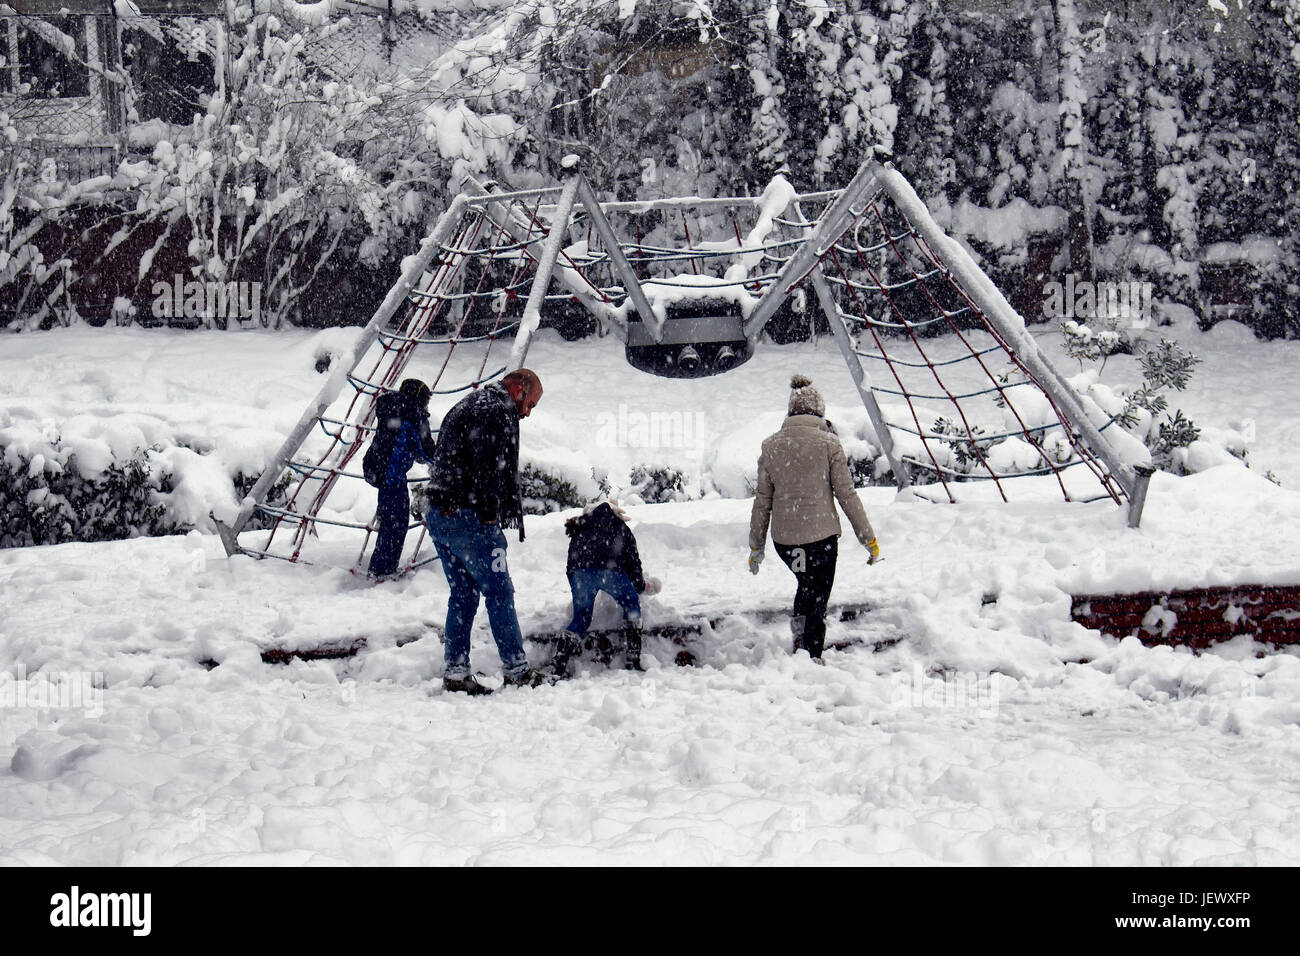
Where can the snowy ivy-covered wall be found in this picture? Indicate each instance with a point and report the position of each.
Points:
(1121, 140)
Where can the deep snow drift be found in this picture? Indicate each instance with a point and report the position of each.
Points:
(987, 727)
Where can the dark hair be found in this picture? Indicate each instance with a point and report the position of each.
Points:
(416, 391)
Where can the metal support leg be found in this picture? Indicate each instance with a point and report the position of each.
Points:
(624, 268)
(901, 476)
(532, 317)
(1137, 498)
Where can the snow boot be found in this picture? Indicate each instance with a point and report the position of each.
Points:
(529, 678)
(465, 685)
(566, 647)
(797, 624)
(814, 636)
(632, 639)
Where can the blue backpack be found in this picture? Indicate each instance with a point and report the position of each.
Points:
(393, 410)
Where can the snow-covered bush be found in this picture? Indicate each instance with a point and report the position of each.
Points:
(543, 492)
(49, 495)
(1171, 434)
(45, 502)
(243, 484)
(1144, 411)
(655, 484)
(968, 450)
(289, 178)
(1097, 340)
(287, 171)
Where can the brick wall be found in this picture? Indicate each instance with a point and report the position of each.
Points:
(1196, 618)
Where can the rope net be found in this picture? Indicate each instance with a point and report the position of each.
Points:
(960, 405)
(449, 334)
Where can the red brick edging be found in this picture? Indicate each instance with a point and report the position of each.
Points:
(1203, 615)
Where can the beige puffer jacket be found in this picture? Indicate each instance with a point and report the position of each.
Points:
(801, 473)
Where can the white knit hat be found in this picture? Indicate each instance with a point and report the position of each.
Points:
(804, 397)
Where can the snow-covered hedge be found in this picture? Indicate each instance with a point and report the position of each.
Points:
(50, 494)
(47, 501)
(1122, 146)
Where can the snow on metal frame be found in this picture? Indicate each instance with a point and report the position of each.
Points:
(869, 178)
(415, 266)
(1011, 326)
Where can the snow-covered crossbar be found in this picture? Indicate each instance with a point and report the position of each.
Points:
(977, 403)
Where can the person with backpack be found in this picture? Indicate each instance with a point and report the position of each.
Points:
(603, 557)
(402, 437)
(802, 472)
(473, 493)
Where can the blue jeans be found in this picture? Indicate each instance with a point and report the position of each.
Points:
(473, 557)
(586, 582)
(393, 518)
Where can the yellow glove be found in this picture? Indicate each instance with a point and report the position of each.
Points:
(873, 549)
(755, 559)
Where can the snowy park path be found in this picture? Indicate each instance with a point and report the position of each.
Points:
(975, 739)
(995, 731)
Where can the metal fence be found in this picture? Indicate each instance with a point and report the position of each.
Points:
(84, 91)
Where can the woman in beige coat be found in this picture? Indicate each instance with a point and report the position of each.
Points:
(802, 472)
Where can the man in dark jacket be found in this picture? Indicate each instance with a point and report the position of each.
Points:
(402, 437)
(603, 557)
(474, 493)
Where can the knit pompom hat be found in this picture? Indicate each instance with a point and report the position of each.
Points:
(804, 397)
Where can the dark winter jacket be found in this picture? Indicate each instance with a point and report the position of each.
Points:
(603, 541)
(477, 462)
(402, 437)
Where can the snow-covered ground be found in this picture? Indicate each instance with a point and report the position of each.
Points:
(988, 728)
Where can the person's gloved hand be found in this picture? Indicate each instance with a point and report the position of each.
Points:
(653, 586)
(873, 549)
(755, 559)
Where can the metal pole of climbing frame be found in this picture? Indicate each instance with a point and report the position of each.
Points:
(995, 307)
(901, 477)
(654, 325)
(532, 316)
(833, 223)
(510, 221)
(415, 267)
(1138, 495)
(860, 379)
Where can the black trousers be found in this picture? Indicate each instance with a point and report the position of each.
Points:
(813, 565)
